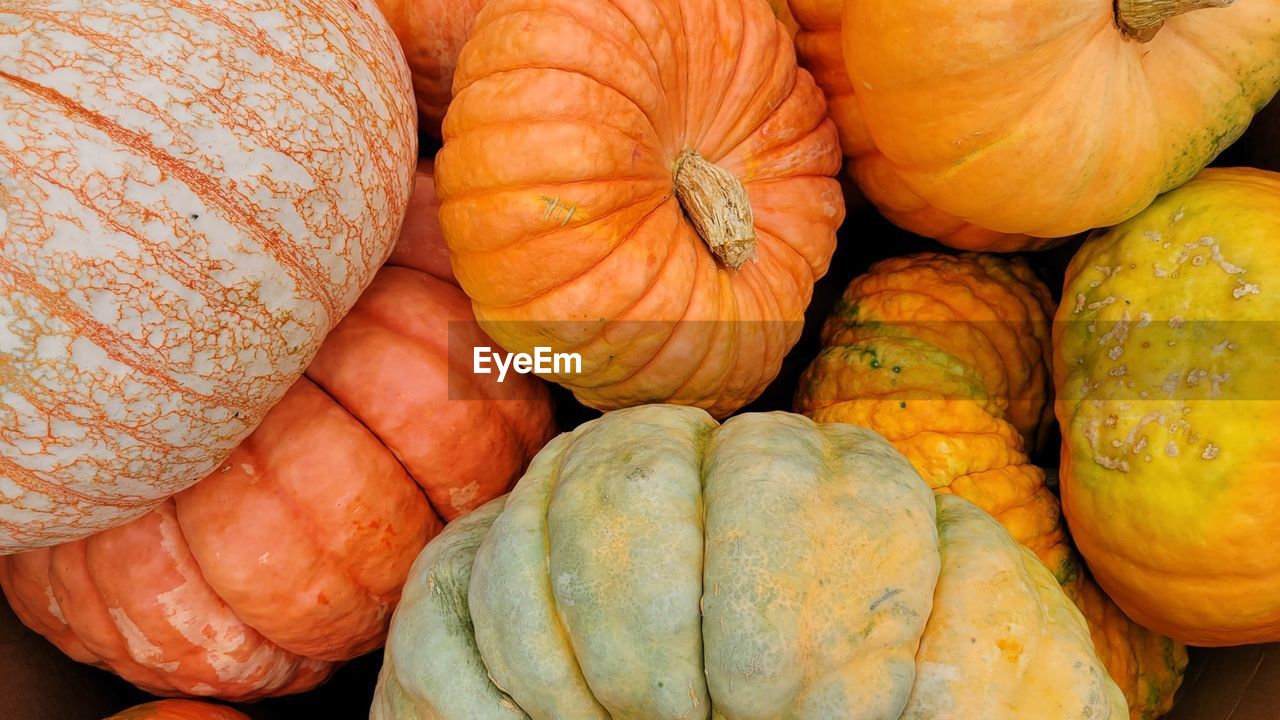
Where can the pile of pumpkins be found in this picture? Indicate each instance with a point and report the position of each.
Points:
(243, 441)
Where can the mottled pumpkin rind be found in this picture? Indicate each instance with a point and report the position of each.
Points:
(1166, 374)
(802, 561)
(187, 209)
(291, 555)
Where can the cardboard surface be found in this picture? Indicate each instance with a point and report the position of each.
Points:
(39, 683)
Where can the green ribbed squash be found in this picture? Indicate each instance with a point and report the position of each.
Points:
(655, 564)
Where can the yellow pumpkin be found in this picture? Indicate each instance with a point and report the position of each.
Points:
(1166, 364)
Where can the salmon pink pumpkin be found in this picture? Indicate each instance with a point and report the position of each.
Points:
(192, 194)
(179, 710)
(432, 33)
(290, 556)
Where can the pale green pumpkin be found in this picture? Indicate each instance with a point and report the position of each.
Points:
(654, 564)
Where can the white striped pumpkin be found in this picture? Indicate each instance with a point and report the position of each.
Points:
(192, 193)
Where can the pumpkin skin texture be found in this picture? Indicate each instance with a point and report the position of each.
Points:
(566, 219)
(820, 50)
(193, 195)
(294, 551)
(947, 357)
(1165, 364)
(432, 33)
(657, 564)
(1048, 118)
(179, 710)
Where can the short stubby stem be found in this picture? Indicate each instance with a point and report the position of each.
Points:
(716, 203)
(1142, 19)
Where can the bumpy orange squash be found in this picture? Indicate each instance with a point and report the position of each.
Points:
(1048, 118)
(655, 564)
(291, 555)
(191, 196)
(179, 710)
(1166, 362)
(648, 183)
(947, 357)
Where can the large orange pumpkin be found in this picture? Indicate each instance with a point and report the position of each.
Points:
(980, 123)
(290, 556)
(191, 196)
(948, 358)
(179, 710)
(1050, 118)
(647, 183)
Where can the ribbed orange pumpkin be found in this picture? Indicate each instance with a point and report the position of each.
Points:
(1045, 117)
(948, 358)
(432, 33)
(290, 556)
(645, 182)
(191, 196)
(179, 710)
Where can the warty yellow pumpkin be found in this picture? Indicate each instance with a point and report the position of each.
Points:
(948, 358)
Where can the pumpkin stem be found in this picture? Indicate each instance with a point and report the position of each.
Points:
(1142, 19)
(717, 205)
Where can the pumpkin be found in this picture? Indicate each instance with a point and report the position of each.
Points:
(432, 33)
(646, 183)
(290, 556)
(191, 196)
(947, 357)
(655, 564)
(179, 710)
(1165, 359)
(994, 120)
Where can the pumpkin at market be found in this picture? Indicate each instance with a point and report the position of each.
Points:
(179, 710)
(655, 564)
(948, 358)
(291, 555)
(1166, 364)
(999, 126)
(179, 233)
(647, 183)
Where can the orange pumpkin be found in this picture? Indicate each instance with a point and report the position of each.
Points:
(192, 196)
(647, 183)
(432, 33)
(291, 555)
(1048, 118)
(179, 710)
(948, 358)
(931, 98)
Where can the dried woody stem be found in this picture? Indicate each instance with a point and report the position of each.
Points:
(716, 203)
(1142, 19)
